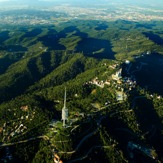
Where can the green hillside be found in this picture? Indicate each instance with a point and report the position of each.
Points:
(38, 62)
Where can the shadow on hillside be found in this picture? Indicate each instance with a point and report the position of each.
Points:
(48, 107)
(33, 33)
(4, 36)
(6, 61)
(146, 114)
(155, 38)
(68, 30)
(120, 132)
(101, 26)
(89, 46)
(96, 48)
(149, 123)
(30, 35)
(81, 34)
(150, 75)
(147, 26)
(45, 64)
(15, 48)
(51, 40)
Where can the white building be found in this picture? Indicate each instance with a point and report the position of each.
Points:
(118, 75)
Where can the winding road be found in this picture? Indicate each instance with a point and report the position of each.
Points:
(86, 137)
(86, 155)
(24, 141)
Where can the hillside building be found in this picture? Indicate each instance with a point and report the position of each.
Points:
(121, 96)
(118, 75)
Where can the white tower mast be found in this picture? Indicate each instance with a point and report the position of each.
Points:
(64, 111)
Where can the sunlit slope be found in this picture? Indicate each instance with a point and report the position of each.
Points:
(41, 57)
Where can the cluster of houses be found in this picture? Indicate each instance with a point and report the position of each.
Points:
(99, 83)
(116, 81)
(129, 83)
(122, 85)
(11, 129)
(18, 130)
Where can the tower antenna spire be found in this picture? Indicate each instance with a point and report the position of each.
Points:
(65, 99)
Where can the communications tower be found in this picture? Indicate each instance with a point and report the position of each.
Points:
(64, 111)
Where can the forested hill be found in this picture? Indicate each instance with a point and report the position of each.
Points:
(38, 62)
(55, 54)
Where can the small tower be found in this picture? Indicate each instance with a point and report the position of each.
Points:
(64, 111)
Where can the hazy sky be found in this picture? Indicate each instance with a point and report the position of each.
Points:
(147, 1)
(30, 2)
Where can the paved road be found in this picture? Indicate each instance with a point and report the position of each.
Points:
(126, 130)
(139, 69)
(134, 100)
(24, 141)
(86, 137)
(125, 111)
(92, 133)
(86, 155)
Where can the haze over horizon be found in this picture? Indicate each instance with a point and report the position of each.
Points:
(77, 2)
